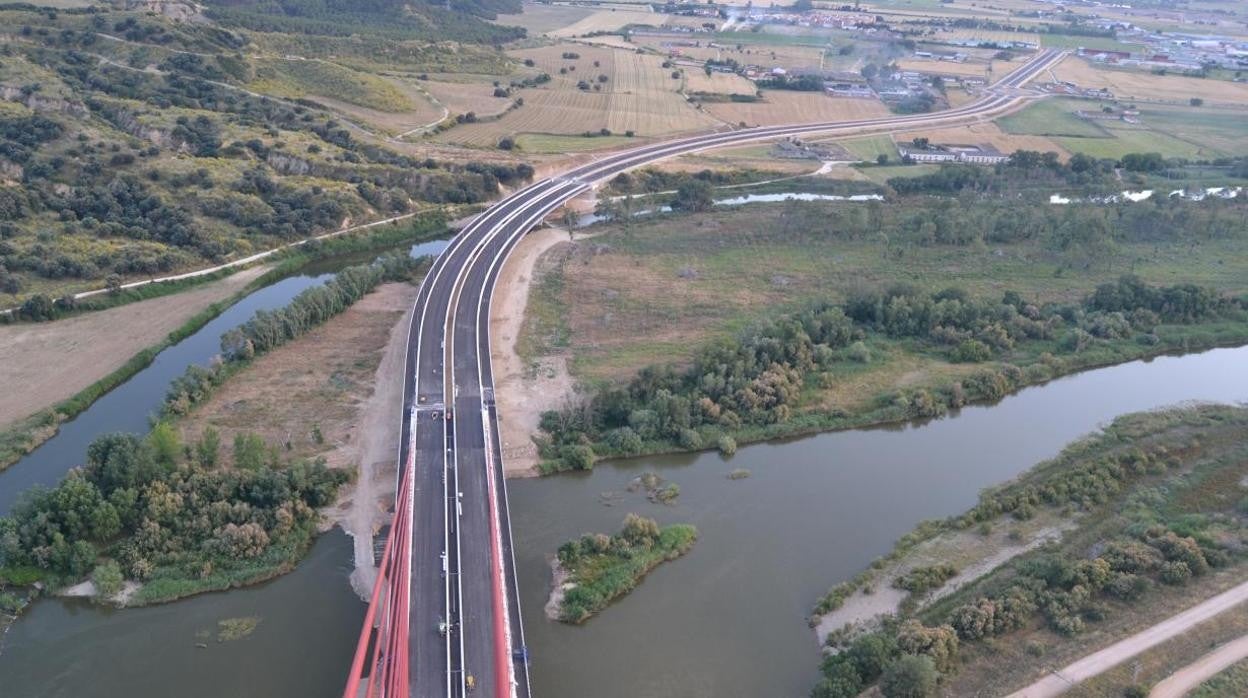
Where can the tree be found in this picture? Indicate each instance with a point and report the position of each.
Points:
(107, 579)
(1196, 101)
(881, 159)
(910, 677)
(694, 196)
(208, 448)
(506, 143)
(249, 451)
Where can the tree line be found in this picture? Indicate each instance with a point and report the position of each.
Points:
(758, 378)
(269, 329)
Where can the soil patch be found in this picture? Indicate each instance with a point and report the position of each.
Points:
(34, 357)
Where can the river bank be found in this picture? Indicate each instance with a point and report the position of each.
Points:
(27, 435)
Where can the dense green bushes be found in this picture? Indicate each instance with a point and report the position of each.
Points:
(759, 378)
(603, 568)
(166, 518)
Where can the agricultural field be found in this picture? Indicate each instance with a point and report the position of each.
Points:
(638, 95)
(984, 134)
(540, 18)
(464, 97)
(788, 56)
(608, 21)
(954, 69)
(1138, 85)
(717, 83)
(870, 148)
(788, 107)
(294, 78)
(1188, 132)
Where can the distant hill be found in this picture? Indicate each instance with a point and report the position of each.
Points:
(457, 20)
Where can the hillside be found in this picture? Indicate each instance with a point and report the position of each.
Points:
(133, 145)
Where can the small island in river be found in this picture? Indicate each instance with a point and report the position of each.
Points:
(595, 569)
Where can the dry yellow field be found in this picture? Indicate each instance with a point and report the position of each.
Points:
(609, 20)
(639, 95)
(788, 107)
(717, 83)
(978, 70)
(1125, 84)
(539, 18)
(982, 35)
(423, 111)
(464, 97)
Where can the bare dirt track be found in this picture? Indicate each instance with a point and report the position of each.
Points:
(1062, 680)
(34, 357)
(1189, 677)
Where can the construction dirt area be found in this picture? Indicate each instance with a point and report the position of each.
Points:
(523, 391)
(33, 356)
(335, 393)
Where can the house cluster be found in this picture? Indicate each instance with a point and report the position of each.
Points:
(972, 154)
(812, 18)
(954, 56)
(1070, 89)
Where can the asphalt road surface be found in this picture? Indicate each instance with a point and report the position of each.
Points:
(462, 568)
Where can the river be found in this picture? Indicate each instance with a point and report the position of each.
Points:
(728, 619)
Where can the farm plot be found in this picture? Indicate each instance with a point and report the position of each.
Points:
(985, 134)
(464, 97)
(717, 83)
(539, 18)
(609, 21)
(788, 56)
(638, 95)
(1127, 84)
(423, 111)
(788, 107)
(952, 68)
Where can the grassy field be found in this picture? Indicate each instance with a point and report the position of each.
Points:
(870, 148)
(1054, 117)
(717, 83)
(539, 18)
(1136, 140)
(984, 134)
(304, 78)
(953, 69)
(668, 285)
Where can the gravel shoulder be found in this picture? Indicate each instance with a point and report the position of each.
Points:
(1183, 681)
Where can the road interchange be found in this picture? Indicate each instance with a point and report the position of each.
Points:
(463, 623)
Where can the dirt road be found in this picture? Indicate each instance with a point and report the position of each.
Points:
(1189, 677)
(1067, 677)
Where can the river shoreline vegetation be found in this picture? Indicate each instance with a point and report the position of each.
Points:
(146, 146)
(1157, 506)
(170, 515)
(24, 436)
(767, 382)
(601, 568)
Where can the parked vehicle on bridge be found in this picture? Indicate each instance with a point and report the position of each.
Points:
(442, 628)
(471, 681)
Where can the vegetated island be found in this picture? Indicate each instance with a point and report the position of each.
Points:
(595, 569)
(1119, 532)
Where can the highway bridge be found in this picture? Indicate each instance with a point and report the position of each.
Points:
(444, 619)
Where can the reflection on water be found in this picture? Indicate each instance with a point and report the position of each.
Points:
(309, 622)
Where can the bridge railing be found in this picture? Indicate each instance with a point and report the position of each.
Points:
(380, 666)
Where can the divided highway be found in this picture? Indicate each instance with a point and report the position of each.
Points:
(465, 632)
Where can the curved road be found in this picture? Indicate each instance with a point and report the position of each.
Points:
(461, 563)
